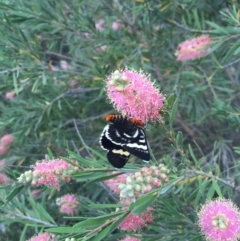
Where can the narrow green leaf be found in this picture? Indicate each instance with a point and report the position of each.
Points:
(173, 112)
(196, 19)
(44, 78)
(218, 28)
(104, 206)
(13, 193)
(109, 229)
(202, 189)
(68, 230)
(39, 210)
(167, 187)
(50, 154)
(217, 188)
(143, 203)
(15, 83)
(91, 223)
(211, 192)
(192, 154)
(102, 178)
(179, 140)
(86, 162)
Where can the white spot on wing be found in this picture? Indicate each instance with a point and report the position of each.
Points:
(127, 135)
(121, 152)
(135, 145)
(136, 134)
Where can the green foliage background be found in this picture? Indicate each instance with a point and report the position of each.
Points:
(64, 109)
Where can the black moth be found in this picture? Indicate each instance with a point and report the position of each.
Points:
(122, 137)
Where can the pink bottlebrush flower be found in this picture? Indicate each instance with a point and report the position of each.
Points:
(10, 95)
(133, 222)
(130, 239)
(100, 25)
(3, 179)
(43, 237)
(117, 25)
(194, 48)
(219, 220)
(3, 149)
(134, 95)
(49, 173)
(113, 184)
(7, 139)
(68, 204)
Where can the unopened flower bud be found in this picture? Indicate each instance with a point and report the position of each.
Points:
(137, 174)
(139, 179)
(148, 179)
(129, 180)
(131, 194)
(137, 187)
(121, 186)
(129, 187)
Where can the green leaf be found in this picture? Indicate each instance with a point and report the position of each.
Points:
(211, 192)
(109, 229)
(104, 206)
(39, 210)
(179, 140)
(196, 19)
(143, 203)
(192, 154)
(171, 184)
(13, 193)
(91, 223)
(173, 112)
(88, 163)
(67, 230)
(218, 28)
(102, 178)
(217, 188)
(202, 189)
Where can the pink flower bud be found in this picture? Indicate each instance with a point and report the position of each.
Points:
(117, 25)
(10, 95)
(7, 139)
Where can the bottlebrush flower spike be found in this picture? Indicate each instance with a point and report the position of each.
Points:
(49, 173)
(68, 204)
(7, 139)
(219, 220)
(134, 95)
(113, 183)
(194, 48)
(133, 222)
(43, 237)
